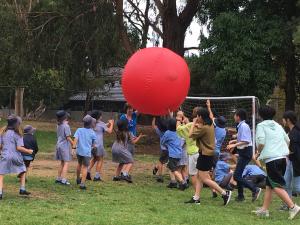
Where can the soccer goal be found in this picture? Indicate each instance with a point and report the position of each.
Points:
(226, 106)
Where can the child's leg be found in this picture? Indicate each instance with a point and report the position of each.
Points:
(78, 171)
(206, 179)
(119, 169)
(1, 184)
(160, 168)
(64, 170)
(172, 177)
(22, 181)
(198, 187)
(84, 169)
(99, 164)
(60, 168)
(283, 195)
(92, 163)
(267, 198)
(178, 176)
(127, 167)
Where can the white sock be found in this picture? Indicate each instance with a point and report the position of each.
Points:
(196, 197)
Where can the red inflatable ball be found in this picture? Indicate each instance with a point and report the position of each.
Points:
(155, 80)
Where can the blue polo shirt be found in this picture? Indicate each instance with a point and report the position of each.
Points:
(85, 139)
(251, 170)
(221, 170)
(160, 134)
(220, 134)
(131, 123)
(244, 133)
(173, 143)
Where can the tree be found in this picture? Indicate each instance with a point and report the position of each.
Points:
(174, 21)
(249, 43)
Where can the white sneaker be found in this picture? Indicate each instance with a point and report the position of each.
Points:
(293, 212)
(261, 213)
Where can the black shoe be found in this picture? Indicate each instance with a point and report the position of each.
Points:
(82, 187)
(127, 178)
(24, 192)
(256, 194)
(116, 178)
(193, 201)
(214, 194)
(227, 197)
(188, 181)
(160, 180)
(1, 197)
(88, 176)
(183, 186)
(78, 181)
(155, 170)
(58, 181)
(172, 185)
(239, 199)
(97, 179)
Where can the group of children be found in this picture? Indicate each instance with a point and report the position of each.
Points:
(190, 149)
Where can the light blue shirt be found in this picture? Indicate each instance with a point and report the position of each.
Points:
(173, 142)
(252, 170)
(85, 139)
(220, 134)
(160, 134)
(221, 170)
(244, 133)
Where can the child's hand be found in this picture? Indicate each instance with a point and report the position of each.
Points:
(208, 103)
(230, 147)
(142, 135)
(186, 120)
(30, 151)
(111, 121)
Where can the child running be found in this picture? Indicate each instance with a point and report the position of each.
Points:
(84, 142)
(29, 143)
(272, 146)
(11, 146)
(63, 146)
(243, 143)
(120, 152)
(160, 127)
(99, 152)
(173, 142)
(183, 127)
(202, 131)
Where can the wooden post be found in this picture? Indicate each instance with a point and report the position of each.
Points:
(19, 93)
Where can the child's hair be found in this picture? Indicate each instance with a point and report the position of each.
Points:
(122, 133)
(242, 114)
(96, 114)
(266, 112)
(126, 107)
(161, 124)
(172, 124)
(203, 112)
(13, 123)
(195, 110)
(61, 116)
(291, 116)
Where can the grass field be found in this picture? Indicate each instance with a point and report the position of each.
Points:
(143, 202)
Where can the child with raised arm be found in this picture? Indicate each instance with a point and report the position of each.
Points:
(243, 143)
(98, 152)
(11, 147)
(63, 146)
(84, 142)
(272, 146)
(202, 131)
(121, 153)
(160, 127)
(173, 142)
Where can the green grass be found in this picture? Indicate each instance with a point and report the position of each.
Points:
(144, 202)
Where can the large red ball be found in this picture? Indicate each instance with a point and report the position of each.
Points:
(155, 80)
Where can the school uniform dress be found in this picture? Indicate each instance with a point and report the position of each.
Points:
(99, 130)
(11, 160)
(132, 129)
(121, 153)
(63, 146)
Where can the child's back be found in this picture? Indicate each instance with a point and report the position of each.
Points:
(85, 139)
(30, 143)
(173, 143)
(221, 170)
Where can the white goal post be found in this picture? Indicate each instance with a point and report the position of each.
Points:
(227, 106)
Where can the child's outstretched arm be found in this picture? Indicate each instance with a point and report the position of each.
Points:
(135, 140)
(110, 126)
(24, 150)
(154, 123)
(211, 114)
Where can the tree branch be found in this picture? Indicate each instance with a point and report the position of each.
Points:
(187, 15)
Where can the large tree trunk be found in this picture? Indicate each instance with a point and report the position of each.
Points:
(19, 93)
(290, 90)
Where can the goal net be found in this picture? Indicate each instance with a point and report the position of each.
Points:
(226, 106)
